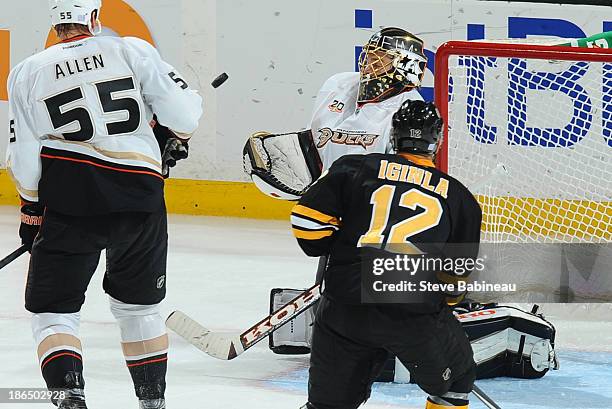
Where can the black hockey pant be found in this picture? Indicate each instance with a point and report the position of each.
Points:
(351, 343)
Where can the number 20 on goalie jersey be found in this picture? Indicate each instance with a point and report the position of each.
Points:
(398, 203)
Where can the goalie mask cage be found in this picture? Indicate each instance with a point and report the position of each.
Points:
(528, 128)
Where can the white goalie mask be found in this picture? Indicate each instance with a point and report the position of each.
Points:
(75, 12)
(392, 61)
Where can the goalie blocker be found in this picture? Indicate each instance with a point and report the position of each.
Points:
(506, 341)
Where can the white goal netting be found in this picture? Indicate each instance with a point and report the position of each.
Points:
(530, 133)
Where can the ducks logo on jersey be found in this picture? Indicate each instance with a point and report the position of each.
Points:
(345, 138)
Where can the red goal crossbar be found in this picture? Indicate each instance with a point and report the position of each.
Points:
(507, 50)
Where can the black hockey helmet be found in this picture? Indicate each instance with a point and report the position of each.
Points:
(391, 62)
(417, 128)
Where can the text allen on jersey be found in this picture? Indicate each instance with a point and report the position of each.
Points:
(72, 67)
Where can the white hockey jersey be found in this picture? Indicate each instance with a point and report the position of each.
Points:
(339, 128)
(80, 136)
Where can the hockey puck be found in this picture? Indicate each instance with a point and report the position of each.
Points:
(217, 82)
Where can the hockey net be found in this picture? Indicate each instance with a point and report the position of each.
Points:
(529, 131)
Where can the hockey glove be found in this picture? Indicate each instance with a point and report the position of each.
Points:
(31, 219)
(175, 150)
(171, 146)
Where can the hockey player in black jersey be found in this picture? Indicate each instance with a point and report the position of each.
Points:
(392, 202)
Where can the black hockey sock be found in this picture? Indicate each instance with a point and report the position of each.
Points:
(58, 364)
(149, 376)
(63, 369)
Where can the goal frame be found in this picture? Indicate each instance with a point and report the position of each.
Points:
(495, 49)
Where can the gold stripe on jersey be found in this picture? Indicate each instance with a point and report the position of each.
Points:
(22, 191)
(92, 161)
(302, 223)
(300, 210)
(112, 154)
(311, 234)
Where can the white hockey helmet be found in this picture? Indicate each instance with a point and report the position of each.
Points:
(75, 12)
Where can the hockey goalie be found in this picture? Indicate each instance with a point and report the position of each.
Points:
(353, 115)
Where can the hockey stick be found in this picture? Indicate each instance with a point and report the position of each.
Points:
(489, 403)
(229, 346)
(13, 256)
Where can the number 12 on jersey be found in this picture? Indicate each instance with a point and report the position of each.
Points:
(397, 238)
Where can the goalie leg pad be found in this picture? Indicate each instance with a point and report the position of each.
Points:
(507, 342)
(295, 336)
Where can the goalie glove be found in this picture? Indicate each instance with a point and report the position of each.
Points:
(282, 166)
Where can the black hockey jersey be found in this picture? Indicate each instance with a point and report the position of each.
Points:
(397, 203)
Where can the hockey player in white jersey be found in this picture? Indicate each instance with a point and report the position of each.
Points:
(90, 171)
(352, 115)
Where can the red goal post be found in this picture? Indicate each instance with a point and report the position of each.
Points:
(493, 49)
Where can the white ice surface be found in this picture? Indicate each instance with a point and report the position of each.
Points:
(220, 271)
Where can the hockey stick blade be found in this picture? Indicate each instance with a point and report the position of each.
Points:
(13, 256)
(228, 347)
(214, 344)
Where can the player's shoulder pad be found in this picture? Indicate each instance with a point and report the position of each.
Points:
(140, 46)
(342, 80)
(16, 73)
(31, 64)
